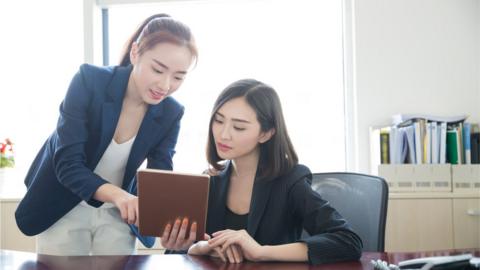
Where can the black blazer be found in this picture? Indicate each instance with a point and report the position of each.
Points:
(279, 211)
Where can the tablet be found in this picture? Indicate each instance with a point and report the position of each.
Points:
(164, 196)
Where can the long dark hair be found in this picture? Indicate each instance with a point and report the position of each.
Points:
(156, 29)
(277, 155)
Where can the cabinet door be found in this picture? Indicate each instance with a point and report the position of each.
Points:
(419, 225)
(466, 223)
(11, 237)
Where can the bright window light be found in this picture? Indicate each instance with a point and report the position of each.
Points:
(295, 46)
(42, 48)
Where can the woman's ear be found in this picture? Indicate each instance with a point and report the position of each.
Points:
(265, 136)
(134, 53)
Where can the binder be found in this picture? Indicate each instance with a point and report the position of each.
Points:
(475, 145)
(452, 146)
(466, 143)
(384, 146)
(443, 143)
(435, 143)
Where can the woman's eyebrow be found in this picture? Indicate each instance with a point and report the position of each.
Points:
(166, 67)
(234, 119)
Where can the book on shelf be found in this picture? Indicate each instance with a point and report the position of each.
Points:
(475, 143)
(466, 143)
(425, 139)
(384, 145)
(453, 155)
(443, 143)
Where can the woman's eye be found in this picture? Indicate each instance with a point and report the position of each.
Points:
(217, 121)
(179, 78)
(239, 128)
(157, 71)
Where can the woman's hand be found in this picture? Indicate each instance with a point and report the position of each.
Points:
(232, 254)
(241, 240)
(128, 206)
(124, 201)
(175, 238)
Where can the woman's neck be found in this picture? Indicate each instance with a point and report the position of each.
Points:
(246, 167)
(132, 97)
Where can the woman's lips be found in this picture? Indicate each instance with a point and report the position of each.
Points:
(223, 147)
(156, 95)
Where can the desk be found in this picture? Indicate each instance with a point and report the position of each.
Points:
(15, 260)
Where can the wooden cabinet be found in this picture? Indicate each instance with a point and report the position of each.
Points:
(431, 221)
(466, 223)
(10, 236)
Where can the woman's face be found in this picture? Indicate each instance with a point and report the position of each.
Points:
(236, 130)
(160, 71)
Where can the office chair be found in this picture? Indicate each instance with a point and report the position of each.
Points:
(361, 199)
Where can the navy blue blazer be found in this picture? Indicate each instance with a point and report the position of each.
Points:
(61, 175)
(281, 208)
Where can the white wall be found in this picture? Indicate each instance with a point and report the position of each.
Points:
(414, 56)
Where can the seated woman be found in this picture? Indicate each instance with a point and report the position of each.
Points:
(260, 198)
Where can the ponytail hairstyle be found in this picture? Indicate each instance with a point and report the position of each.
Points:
(159, 28)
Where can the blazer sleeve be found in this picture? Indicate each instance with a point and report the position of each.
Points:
(69, 158)
(161, 156)
(331, 238)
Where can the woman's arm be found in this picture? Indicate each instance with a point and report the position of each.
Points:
(331, 238)
(294, 252)
(124, 201)
(72, 133)
(255, 252)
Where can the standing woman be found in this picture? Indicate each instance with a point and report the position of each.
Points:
(260, 200)
(81, 186)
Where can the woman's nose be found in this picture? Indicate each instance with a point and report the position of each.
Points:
(164, 83)
(225, 132)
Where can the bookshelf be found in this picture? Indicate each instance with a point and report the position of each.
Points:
(433, 173)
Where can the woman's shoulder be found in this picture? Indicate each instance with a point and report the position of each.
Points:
(297, 173)
(94, 69)
(171, 104)
(101, 76)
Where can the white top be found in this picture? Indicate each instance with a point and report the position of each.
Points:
(111, 166)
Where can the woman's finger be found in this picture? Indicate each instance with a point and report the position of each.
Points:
(123, 213)
(220, 254)
(229, 252)
(137, 223)
(166, 234)
(193, 232)
(237, 253)
(173, 234)
(131, 214)
(183, 230)
(228, 242)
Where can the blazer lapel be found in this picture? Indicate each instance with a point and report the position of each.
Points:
(218, 209)
(260, 197)
(151, 123)
(112, 107)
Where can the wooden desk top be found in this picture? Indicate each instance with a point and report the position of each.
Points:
(15, 260)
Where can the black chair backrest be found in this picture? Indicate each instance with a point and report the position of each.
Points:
(361, 199)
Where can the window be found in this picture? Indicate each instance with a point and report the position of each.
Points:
(41, 51)
(295, 46)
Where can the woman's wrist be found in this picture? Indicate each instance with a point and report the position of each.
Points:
(264, 253)
(109, 193)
